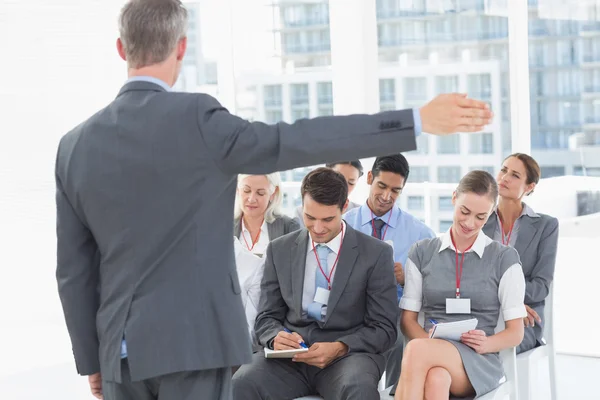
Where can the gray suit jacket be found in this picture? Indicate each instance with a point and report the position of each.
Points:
(536, 244)
(281, 226)
(144, 190)
(363, 308)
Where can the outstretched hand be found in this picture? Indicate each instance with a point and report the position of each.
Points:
(454, 112)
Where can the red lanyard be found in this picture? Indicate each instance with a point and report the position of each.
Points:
(502, 231)
(386, 225)
(328, 278)
(462, 261)
(255, 240)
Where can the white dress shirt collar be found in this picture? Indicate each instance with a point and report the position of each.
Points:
(478, 246)
(263, 227)
(334, 244)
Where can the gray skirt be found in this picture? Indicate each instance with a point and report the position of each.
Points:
(485, 371)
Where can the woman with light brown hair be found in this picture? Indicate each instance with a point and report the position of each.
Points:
(461, 275)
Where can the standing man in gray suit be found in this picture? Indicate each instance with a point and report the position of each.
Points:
(331, 288)
(150, 296)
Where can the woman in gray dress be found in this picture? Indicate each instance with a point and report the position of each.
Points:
(461, 275)
(533, 235)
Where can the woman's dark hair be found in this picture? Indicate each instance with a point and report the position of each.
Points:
(356, 164)
(325, 186)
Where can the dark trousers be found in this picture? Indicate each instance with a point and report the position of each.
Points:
(214, 384)
(353, 377)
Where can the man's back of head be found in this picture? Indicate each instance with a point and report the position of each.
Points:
(152, 37)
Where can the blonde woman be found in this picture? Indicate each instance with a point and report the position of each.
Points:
(257, 221)
(257, 217)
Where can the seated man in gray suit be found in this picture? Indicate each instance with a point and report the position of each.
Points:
(331, 288)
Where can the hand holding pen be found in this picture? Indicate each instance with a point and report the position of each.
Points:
(286, 340)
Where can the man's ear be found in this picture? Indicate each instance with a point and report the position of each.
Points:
(369, 178)
(121, 49)
(181, 48)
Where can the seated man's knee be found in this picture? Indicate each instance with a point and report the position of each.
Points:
(354, 384)
(438, 380)
(242, 381)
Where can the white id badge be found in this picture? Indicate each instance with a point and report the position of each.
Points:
(458, 306)
(322, 296)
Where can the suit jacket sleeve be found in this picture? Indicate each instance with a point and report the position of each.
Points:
(272, 308)
(380, 330)
(537, 285)
(238, 146)
(77, 274)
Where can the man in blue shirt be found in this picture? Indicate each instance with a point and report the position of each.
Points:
(382, 218)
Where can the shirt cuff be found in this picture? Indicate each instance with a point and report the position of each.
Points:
(514, 313)
(417, 121)
(410, 304)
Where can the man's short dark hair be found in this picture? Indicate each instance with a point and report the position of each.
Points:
(356, 164)
(325, 186)
(396, 163)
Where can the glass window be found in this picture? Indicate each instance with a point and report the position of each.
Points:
(445, 225)
(586, 171)
(481, 143)
(449, 174)
(446, 84)
(272, 117)
(272, 95)
(299, 113)
(445, 203)
(387, 91)
(419, 174)
(479, 86)
(422, 144)
(299, 94)
(324, 111)
(415, 89)
(416, 203)
(448, 144)
(324, 93)
(549, 171)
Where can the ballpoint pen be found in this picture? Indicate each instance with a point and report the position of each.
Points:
(302, 344)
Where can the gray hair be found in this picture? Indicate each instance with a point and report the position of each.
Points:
(274, 208)
(150, 30)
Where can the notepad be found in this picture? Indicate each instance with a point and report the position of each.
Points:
(453, 330)
(283, 353)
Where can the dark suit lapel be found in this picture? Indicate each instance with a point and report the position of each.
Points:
(527, 230)
(298, 264)
(343, 269)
